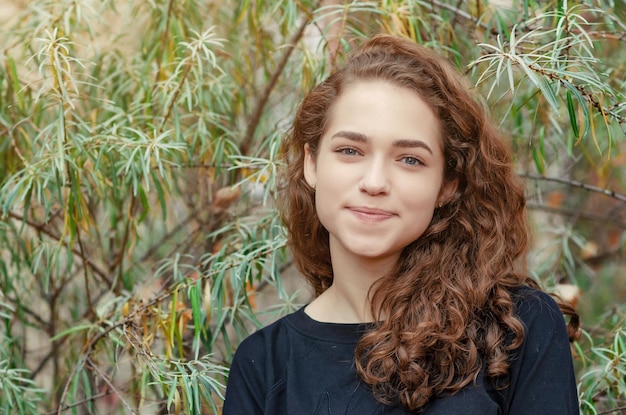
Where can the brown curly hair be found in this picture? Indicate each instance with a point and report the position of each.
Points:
(447, 304)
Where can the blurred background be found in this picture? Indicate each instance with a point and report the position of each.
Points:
(139, 243)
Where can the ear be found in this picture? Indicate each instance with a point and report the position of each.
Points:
(310, 167)
(447, 191)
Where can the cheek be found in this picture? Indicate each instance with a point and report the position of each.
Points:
(326, 193)
(333, 177)
(421, 207)
(329, 193)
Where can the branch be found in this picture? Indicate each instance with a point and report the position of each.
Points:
(262, 102)
(119, 261)
(41, 227)
(588, 95)
(90, 308)
(460, 13)
(43, 325)
(82, 402)
(106, 325)
(603, 34)
(176, 94)
(161, 242)
(614, 410)
(164, 37)
(574, 183)
(577, 213)
(111, 386)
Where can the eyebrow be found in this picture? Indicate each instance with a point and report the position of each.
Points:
(362, 138)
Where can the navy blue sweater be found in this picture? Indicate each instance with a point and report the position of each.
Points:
(299, 366)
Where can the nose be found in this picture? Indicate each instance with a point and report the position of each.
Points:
(374, 178)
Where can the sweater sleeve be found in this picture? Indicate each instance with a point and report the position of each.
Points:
(542, 377)
(245, 391)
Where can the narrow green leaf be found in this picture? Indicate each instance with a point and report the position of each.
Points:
(549, 94)
(572, 113)
(70, 330)
(195, 297)
(583, 105)
(160, 194)
(538, 154)
(145, 205)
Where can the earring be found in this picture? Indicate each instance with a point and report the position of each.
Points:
(440, 205)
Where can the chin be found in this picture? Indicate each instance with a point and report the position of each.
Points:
(376, 255)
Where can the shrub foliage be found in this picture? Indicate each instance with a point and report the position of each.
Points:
(139, 243)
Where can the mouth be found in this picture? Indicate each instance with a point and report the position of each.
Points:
(368, 214)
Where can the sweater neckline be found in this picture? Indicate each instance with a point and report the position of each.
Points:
(348, 333)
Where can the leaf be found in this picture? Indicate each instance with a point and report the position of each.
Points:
(145, 204)
(583, 105)
(538, 153)
(71, 330)
(619, 8)
(548, 92)
(160, 194)
(572, 113)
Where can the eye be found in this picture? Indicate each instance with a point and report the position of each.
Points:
(411, 161)
(347, 151)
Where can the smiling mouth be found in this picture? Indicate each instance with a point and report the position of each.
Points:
(370, 214)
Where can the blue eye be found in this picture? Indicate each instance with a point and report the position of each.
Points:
(411, 161)
(348, 151)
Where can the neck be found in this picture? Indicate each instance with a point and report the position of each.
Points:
(347, 299)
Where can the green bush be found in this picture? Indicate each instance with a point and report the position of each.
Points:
(139, 139)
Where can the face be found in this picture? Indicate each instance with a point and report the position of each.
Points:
(378, 171)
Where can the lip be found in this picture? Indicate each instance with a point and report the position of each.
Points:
(369, 214)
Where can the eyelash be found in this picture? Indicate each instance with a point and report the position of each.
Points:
(351, 151)
(344, 151)
(417, 162)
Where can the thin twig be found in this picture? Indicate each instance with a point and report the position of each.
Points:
(162, 242)
(112, 387)
(578, 213)
(90, 308)
(82, 402)
(176, 94)
(610, 411)
(575, 183)
(42, 363)
(107, 326)
(119, 261)
(603, 34)
(44, 325)
(460, 13)
(164, 37)
(41, 227)
(588, 95)
(262, 102)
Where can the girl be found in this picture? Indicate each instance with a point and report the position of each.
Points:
(404, 214)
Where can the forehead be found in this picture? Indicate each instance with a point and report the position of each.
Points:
(382, 108)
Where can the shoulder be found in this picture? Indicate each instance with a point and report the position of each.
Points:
(541, 376)
(253, 349)
(536, 308)
(543, 321)
(257, 365)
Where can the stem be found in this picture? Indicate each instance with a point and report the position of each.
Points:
(135, 313)
(176, 94)
(82, 402)
(164, 37)
(90, 308)
(42, 229)
(262, 102)
(574, 183)
(577, 213)
(610, 411)
(119, 261)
